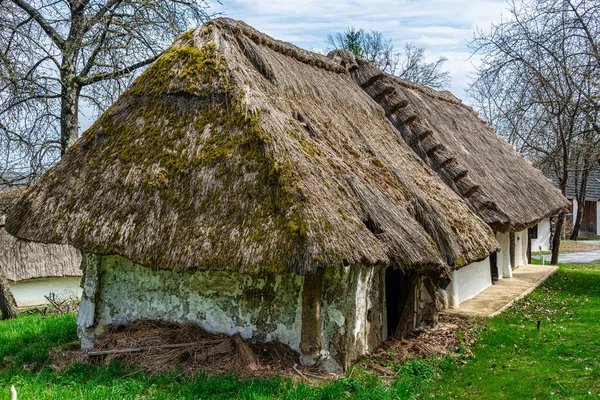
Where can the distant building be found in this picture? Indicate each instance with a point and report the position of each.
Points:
(35, 270)
(590, 222)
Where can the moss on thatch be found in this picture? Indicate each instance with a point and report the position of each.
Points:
(503, 188)
(21, 259)
(235, 151)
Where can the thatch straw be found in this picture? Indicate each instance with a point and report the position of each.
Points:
(231, 354)
(236, 151)
(503, 188)
(21, 259)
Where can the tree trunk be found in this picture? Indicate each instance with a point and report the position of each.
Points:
(556, 238)
(580, 204)
(69, 117)
(577, 223)
(8, 305)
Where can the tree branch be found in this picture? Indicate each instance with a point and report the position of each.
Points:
(39, 18)
(88, 80)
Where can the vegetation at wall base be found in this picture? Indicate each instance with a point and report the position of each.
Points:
(512, 359)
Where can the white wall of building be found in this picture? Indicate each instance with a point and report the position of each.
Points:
(543, 237)
(503, 258)
(468, 281)
(31, 292)
(598, 218)
(521, 248)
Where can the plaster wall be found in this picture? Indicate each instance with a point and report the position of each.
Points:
(260, 308)
(503, 257)
(598, 218)
(31, 292)
(468, 281)
(543, 239)
(353, 312)
(520, 248)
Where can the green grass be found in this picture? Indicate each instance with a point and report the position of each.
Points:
(512, 360)
(25, 362)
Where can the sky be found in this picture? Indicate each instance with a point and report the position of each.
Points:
(442, 27)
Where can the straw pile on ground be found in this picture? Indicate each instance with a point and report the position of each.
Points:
(453, 333)
(503, 188)
(158, 346)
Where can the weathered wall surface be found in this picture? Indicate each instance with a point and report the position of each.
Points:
(260, 308)
(353, 311)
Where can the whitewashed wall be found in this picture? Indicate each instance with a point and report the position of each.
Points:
(261, 308)
(31, 292)
(543, 239)
(503, 257)
(521, 248)
(598, 218)
(468, 281)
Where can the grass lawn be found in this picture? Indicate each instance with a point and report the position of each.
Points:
(569, 246)
(512, 360)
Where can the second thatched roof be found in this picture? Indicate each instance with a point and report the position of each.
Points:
(235, 151)
(21, 259)
(503, 188)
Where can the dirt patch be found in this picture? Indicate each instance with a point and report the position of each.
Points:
(454, 332)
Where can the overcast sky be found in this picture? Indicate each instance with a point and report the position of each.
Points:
(442, 27)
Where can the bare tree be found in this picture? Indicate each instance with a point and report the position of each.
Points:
(55, 54)
(538, 84)
(408, 63)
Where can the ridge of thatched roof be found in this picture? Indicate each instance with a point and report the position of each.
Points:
(503, 188)
(239, 152)
(21, 259)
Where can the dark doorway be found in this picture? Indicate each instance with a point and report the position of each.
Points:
(397, 291)
(494, 266)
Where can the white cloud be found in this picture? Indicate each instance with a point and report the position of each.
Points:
(443, 27)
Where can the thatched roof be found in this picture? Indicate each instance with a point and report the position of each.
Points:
(503, 188)
(237, 151)
(20, 259)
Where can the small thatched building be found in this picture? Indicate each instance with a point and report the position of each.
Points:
(500, 186)
(249, 186)
(35, 270)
